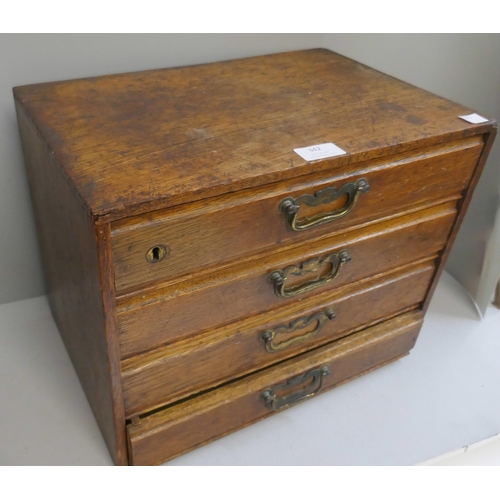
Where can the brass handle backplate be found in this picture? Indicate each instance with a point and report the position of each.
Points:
(279, 277)
(275, 402)
(268, 337)
(290, 206)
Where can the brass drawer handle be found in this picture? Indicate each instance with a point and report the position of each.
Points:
(271, 396)
(278, 278)
(269, 335)
(290, 206)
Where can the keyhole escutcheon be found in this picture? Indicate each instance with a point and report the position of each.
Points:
(157, 253)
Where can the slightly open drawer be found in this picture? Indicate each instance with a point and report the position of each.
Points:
(166, 434)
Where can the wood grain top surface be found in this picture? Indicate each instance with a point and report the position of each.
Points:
(136, 142)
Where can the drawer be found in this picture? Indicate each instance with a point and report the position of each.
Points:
(169, 374)
(181, 310)
(166, 434)
(176, 242)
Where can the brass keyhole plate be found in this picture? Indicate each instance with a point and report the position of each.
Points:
(157, 253)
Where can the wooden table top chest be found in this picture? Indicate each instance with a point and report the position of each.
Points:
(203, 274)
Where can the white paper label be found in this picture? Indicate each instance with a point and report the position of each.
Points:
(319, 151)
(474, 118)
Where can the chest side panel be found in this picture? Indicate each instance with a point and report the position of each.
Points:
(77, 272)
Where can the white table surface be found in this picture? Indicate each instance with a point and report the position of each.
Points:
(442, 397)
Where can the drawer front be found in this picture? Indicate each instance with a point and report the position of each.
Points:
(181, 241)
(164, 376)
(166, 434)
(147, 321)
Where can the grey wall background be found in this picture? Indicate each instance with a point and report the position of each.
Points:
(464, 68)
